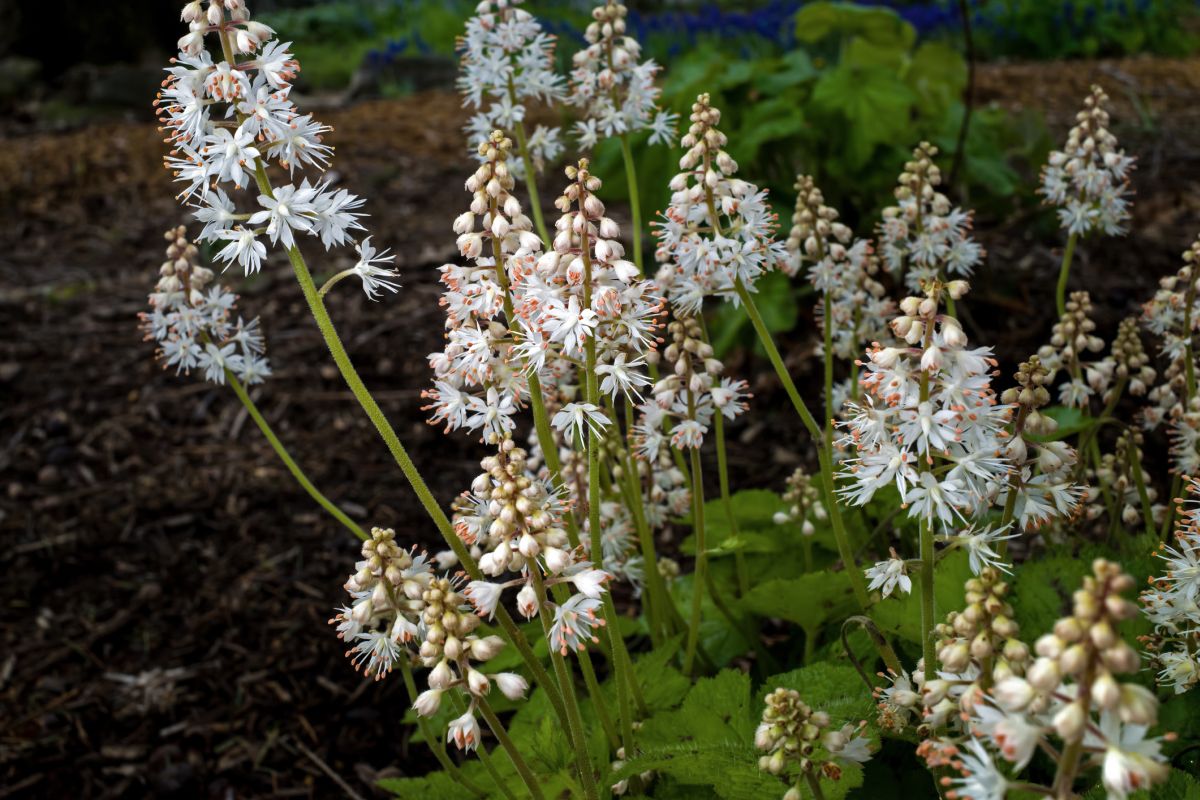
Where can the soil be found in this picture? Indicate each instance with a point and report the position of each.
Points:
(167, 585)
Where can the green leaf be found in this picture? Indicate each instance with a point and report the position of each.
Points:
(938, 75)
(880, 26)
(664, 686)
(808, 600)
(793, 69)
(768, 121)
(731, 769)
(874, 105)
(901, 614)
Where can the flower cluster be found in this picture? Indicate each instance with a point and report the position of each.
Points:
(923, 237)
(516, 522)
(1171, 601)
(718, 231)
(803, 498)
(800, 745)
(842, 269)
(402, 613)
(1071, 338)
(477, 383)
(1070, 693)
(1042, 483)
(926, 403)
(506, 60)
(1121, 476)
(1088, 180)
(1172, 315)
(226, 120)
(976, 647)
(691, 393)
(616, 92)
(195, 328)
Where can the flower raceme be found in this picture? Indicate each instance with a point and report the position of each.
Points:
(616, 92)
(195, 329)
(506, 60)
(227, 120)
(718, 229)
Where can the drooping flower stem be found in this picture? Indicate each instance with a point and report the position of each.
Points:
(1064, 272)
(857, 582)
(574, 719)
(635, 201)
(286, 457)
(531, 782)
(431, 738)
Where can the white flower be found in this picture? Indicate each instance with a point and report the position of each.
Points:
(1013, 733)
(574, 621)
(887, 575)
(589, 581)
(484, 596)
(245, 247)
(981, 780)
(1131, 761)
(570, 325)
(289, 210)
(513, 686)
(578, 418)
(427, 702)
(374, 277)
(464, 732)
(979, 548)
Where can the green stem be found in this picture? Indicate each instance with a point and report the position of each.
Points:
(432, 739)
(535, 204)
(287, 459)
(927, 605)
(635, 201)
(1060, 294)
(814, 783)
(857, 581)
(739, 558)
(693, 634)
(342, 359)
(1139, 480)
(828, 337)
(531, 782)
(566, 682)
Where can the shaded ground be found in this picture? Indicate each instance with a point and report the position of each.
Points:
(149, 527)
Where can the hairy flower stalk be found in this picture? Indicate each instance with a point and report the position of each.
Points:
(1088, 182)
(192, 94)
(618, 97)
(505, 61)
(801, 747)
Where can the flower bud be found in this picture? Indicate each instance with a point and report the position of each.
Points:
(1069, 721)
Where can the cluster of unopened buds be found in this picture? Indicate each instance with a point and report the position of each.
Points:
(800, 745)
(192, 319)
(1070, 692)
(803, 499)
(1088, 180)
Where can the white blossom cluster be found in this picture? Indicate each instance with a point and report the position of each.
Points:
(1068, 702)
(928, 399)
(400, 609)
(195, 328)
(1173, 315)
(506, 60)
(686, 398)
(616, 92)
(718, 230)
(924, 237)
(1171, 601)
(1088, 180)
(515, 521)
(226, 120)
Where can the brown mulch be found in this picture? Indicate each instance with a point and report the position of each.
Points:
(162, 631)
